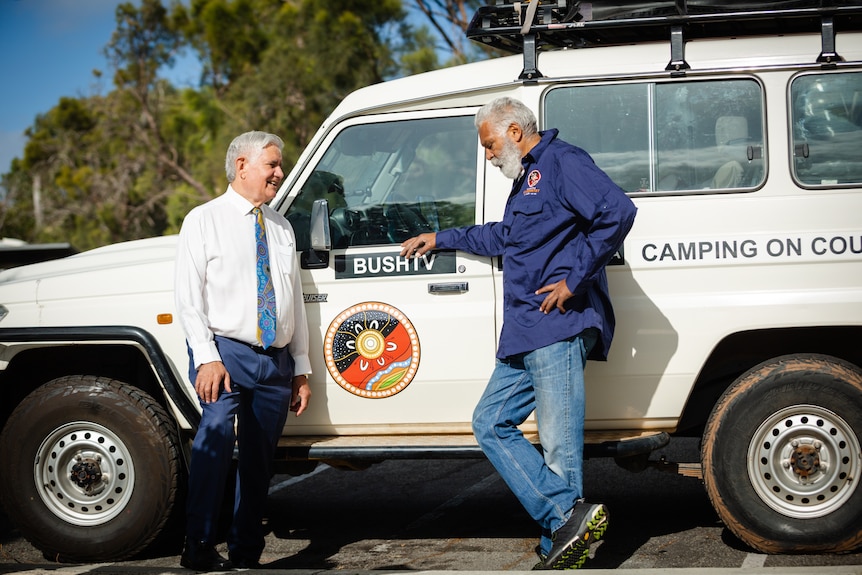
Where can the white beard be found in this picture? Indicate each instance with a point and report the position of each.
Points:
(509, 160)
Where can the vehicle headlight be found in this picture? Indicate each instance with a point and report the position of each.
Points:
(4, 311)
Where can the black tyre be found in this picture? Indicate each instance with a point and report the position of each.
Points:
(91, 469)
(782, 459)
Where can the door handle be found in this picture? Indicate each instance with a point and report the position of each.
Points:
(455, 287)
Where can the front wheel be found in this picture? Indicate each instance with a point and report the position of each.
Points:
(91, 469)
(781, 456)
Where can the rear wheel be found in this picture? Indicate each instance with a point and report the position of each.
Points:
(91, 469)
(782, 458)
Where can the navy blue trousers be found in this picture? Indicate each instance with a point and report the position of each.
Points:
(261, 384)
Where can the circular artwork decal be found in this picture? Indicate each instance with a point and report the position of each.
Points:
(372, 350)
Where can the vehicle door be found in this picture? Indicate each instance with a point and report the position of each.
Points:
(398, 345)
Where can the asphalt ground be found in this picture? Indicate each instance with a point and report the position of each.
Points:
(114, 569)
(437, 516)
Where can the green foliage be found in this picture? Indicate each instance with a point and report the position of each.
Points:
(142, 43)
(229, 35)
(420, 55)
(131, 163)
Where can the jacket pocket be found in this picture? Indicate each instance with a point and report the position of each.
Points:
(529, 219)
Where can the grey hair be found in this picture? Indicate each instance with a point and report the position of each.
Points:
(503, 112)
(250, 145)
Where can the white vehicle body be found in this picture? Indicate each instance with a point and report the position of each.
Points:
(721, 284)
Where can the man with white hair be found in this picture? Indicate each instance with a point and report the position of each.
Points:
(239, 300)
(564, 221)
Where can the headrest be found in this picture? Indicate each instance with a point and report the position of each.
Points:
(730, 129)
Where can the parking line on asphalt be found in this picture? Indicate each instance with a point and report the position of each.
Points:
(294, 480)
(753, 561)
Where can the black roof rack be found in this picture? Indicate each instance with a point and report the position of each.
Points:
(530, 26)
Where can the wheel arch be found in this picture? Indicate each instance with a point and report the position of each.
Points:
(126, 353)
(741, 351)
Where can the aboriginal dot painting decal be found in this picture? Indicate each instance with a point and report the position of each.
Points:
(372, 350)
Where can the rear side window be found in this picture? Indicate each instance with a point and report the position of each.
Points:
(826, 120)
(667, 137)
(388, 181)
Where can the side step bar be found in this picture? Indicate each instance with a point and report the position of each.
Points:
(454, 446)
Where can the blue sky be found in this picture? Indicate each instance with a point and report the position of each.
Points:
(49, 49)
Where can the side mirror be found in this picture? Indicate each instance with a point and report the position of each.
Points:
(321, 240)
(317, 256)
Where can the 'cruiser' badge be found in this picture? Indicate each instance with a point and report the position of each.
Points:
(372, 350)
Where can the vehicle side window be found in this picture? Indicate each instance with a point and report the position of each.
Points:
(612, 123)
(666, 137)
(826, 116)
(388, 181)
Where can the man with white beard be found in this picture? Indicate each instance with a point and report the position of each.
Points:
(564, 221)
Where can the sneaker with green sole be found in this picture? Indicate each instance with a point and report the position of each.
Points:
(572, 541)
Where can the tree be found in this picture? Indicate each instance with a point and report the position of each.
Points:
(108, 168)
(143, 44)
(131, 163)
(76, 180)
(293, 62)
(449, 20)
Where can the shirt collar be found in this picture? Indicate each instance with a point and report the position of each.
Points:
(536, 152)
(239, 203)
(533, 155)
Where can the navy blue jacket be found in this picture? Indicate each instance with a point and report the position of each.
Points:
(564, 219)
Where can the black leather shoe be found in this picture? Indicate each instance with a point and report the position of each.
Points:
(201, 556)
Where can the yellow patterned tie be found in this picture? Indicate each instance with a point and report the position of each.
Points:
(265, 293)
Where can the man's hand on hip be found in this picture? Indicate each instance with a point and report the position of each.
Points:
(558, 294)
(209, 381)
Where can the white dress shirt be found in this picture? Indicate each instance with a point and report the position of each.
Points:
(216, 279)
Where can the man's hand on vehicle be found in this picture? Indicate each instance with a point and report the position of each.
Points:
(418, 246)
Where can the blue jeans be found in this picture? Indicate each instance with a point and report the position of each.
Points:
(549, 381)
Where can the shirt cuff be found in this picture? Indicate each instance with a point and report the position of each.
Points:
(301, 365)
(205, 352)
